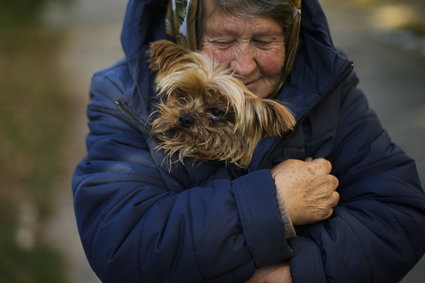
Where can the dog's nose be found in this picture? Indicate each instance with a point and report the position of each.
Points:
(186, 120)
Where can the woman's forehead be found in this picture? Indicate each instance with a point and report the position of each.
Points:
(223, 23)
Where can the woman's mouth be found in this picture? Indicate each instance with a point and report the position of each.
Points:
(250, 83)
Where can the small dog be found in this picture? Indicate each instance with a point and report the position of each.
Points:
(205, 113)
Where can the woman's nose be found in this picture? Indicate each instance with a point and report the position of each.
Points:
(243, 62)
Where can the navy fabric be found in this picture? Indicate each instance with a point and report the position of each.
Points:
(140, 221)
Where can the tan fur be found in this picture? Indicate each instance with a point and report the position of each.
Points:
(193, 89)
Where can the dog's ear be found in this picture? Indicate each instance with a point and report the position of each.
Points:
(165, 54)
(274, 118)
(279, 117)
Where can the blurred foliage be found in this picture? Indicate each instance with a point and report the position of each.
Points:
(34, 110)
(23, 12)
(402, 15)
(40, 264)
(34, 105)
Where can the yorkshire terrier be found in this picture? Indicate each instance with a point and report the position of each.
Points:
(204, 112)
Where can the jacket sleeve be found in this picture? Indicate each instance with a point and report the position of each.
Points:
(134, 228)
(377, 231)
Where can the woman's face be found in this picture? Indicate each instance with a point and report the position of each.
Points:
(253, 47)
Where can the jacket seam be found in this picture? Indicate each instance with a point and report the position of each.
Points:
(194, 249)
(360, 244)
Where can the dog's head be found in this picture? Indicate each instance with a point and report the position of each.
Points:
(204, 112)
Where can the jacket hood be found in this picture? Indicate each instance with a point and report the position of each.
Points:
(312, 60)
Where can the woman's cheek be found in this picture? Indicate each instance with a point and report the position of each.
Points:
(271, 64)
(218, 55)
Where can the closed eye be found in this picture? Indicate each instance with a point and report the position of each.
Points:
(263, 43)
(266, 42)
(223, 44)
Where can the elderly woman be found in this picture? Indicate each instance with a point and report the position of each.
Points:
(334, 201)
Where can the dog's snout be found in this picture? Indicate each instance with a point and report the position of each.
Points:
(186, 120)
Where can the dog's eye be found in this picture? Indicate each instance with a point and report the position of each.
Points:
(216, 113)
(169, 134)
(182, 99)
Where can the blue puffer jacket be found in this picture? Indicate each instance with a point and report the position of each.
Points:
(140, 222)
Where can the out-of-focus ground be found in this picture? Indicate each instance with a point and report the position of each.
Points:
(384, 39)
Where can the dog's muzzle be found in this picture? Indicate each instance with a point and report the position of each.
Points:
(186, 120)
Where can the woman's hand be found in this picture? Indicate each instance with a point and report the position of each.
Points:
(307, 189)
(276, 273)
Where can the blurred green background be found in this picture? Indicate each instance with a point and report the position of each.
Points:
(50, 48)
(48, 51)
(33, 115)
